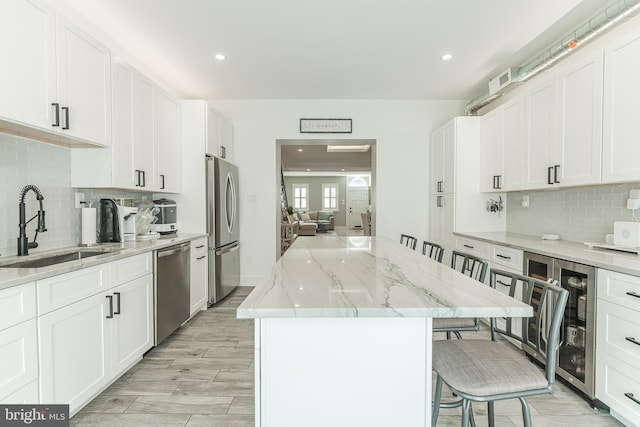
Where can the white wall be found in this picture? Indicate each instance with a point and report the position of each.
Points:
(401, 130)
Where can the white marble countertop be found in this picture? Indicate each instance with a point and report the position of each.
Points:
(16, 276)
(330, 276)
(622, 262)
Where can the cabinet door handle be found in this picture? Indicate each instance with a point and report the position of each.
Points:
(223, 151)
(499, 182)
(199, 246)
(632, 339)
(144, 179)
(162, 182)
(117, 311)
(555, 174)
(549, 171)
(110, 298)
(630, 396)
(201, 257)
(468, 246)
(503, 256)
(633, 294)
(137, 177)
(66, 117)
(494, 182)
(56, 110)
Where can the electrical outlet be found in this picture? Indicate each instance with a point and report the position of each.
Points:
(79, 200)
(525, 201)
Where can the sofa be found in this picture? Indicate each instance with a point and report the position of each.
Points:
(318, 217)
(303, 228)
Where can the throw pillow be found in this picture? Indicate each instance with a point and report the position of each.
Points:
(326, 216)
(304, 217)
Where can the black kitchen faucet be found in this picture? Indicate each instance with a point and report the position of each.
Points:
(23, 241)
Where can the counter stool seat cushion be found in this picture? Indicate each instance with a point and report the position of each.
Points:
(486, 368)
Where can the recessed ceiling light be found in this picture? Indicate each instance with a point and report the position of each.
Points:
(447, 57)
(299, 149)
(342, 170)
(220, 57)
(308, 170)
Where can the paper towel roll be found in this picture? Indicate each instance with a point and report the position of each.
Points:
(88, 226)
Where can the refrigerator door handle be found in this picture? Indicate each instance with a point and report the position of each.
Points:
(228, 249)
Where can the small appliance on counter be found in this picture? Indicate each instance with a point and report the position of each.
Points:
(167, 217)
(117, 220)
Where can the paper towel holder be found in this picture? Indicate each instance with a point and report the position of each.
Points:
(94, 243)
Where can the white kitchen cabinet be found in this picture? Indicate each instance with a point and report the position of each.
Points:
(563, 125)
(199, 275)
(98, 323)
(540, 134)
(67, 74)
(579, 143)
(455, 150)
(226, 140)
(168, 143)
(618, 344)
(621, 127)
(134, 147)
(75, 356)
(132, 328)
(218, 134)
(502, 146)
(19, 351)
(27, 395)
(441, 223)
(27, 43)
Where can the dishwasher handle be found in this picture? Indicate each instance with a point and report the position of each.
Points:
(228, 249)
(173, 250)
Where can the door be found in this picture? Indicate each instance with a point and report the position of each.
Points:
(540, 135)
(168, 143)
(358, 203)
(133, 322)
(27, 43)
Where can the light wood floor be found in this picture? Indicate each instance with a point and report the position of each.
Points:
(203, 376)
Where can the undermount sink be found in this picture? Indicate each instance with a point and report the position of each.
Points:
(58, 259)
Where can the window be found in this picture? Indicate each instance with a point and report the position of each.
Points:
(300, 196)
(330, 196)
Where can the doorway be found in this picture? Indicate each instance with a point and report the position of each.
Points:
(320, 162)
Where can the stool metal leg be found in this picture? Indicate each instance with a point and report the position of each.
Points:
(436, 402)
(526, 413)
(490, 414)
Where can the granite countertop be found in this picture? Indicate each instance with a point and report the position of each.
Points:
(622, 262)
(114, 251)
(331, 276)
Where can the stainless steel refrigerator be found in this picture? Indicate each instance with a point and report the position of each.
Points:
(222, 227)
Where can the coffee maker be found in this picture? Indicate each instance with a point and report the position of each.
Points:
(117, 220)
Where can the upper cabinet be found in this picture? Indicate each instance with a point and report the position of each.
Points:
(146, 149)
(442, 155)
(219, 140)
(621, 127)
(502, 143)
(55, 79)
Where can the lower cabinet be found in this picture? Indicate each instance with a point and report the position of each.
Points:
(618, 345)
(199, 275)
(87, 344)
(19, 355)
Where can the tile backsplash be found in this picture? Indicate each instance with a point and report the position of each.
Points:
(582, 214)
(24, 161)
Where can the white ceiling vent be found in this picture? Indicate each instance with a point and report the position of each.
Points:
(502, 81)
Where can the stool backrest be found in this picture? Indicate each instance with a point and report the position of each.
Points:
(539, 333)
(432, 250)
(408, 241)
(469, 265)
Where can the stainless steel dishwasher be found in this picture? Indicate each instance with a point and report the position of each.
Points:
(172, 268)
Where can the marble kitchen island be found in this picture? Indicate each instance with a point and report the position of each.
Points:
(343, 329)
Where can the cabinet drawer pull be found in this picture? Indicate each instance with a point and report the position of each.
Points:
(503, 256)
(630, 396)
(632, 339)
(162, 182)
(201, 257)
(633, 294)
(56, 108)
(66, 117)
(110, 298)
(468, 246)
(117, 311)
(199, 246)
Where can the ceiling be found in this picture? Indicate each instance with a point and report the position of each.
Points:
(314, 157)
(331, 49)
